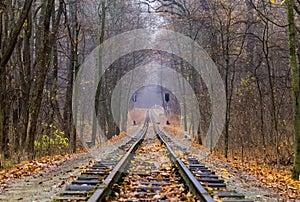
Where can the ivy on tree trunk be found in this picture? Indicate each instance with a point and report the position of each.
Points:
(295, 87)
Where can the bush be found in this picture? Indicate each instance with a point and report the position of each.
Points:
(54, 143)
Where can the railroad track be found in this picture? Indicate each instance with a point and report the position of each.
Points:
(152, 175)
(96, 178)
(149, 171)
(215, 186)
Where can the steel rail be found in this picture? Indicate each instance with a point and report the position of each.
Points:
(105, 189)
(194, 185)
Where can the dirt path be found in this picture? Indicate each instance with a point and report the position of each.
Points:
(45, 185)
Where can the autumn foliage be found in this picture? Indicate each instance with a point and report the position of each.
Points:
(29, 168)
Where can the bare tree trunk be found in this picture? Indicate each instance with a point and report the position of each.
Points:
(295, 87)
(225, 44)
(6, 51)
(42, 67)
(261, 106)
(26, 81)
(73, 29)
(101, 40)
(271, 86)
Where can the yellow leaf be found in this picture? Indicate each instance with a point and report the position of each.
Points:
(168, 169)
(282, 2)
(272, 1)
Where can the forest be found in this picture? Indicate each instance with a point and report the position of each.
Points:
(255, 45)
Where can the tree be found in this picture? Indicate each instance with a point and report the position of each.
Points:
(8, 42)
(73, 33)
(294, 65)
(42, 67)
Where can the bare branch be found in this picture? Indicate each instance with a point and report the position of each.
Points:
(265, 18)
(166, 6)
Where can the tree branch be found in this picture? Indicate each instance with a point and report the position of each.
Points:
(9, 48)
(266, 18)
